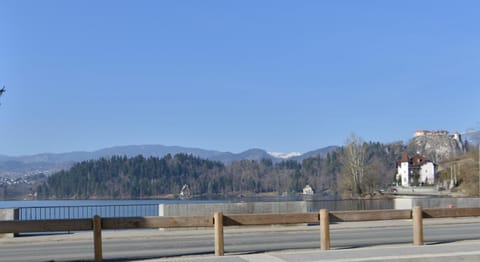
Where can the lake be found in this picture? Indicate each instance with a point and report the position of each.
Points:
(68, 209)
(72, 209)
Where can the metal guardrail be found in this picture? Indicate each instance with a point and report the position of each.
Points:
(87, 211)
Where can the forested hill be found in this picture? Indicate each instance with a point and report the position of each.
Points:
(122, 177)
(140, 177)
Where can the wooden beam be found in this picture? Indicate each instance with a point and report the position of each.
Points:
(97, 238)
(219, 237)
(450, 212)
(157, 222)
(270, 219)
(324, 229)
(417, 226)
(45, 225)
(369, 215)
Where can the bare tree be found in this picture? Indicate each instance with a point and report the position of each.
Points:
(375, 177)
(354, 162)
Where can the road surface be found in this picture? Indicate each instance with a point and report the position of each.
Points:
(128, 245)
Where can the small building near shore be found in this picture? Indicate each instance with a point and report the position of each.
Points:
(186, 192)
(308, 190)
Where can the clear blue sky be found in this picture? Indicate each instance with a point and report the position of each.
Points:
(232, 75)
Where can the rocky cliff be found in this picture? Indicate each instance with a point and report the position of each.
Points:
(437, 145)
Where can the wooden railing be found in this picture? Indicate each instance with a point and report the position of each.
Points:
(218, 221)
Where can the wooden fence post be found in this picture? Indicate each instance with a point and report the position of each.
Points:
(417, 226)
(324, 229)
(219, 244)
(97, 237)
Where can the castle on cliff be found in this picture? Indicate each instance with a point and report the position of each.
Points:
(437, 145)
(455, 135)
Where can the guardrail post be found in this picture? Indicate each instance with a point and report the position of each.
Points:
(97, 237)
(417, 226)
(219, 243)
(324, 229)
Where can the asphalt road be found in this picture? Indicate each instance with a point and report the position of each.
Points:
(149, 244)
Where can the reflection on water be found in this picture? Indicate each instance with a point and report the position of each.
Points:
(50, 203)
(315, 202)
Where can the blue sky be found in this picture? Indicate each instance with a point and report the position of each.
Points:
(232, 75)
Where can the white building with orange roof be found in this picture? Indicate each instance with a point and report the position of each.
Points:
(415, 170)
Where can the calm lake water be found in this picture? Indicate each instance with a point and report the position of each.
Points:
(50, 203)
(68, 209)
(312, 203)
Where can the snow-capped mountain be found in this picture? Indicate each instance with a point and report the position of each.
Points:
(284, 155)
(472, 136)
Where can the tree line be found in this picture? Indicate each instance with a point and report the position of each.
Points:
(140, 177)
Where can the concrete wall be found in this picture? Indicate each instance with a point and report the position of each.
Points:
(350, 204)
(232, 208)
(438, 202)
(8, 214)
(402, 203)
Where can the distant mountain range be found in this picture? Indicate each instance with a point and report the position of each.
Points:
(472, 136)
(13, 166)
